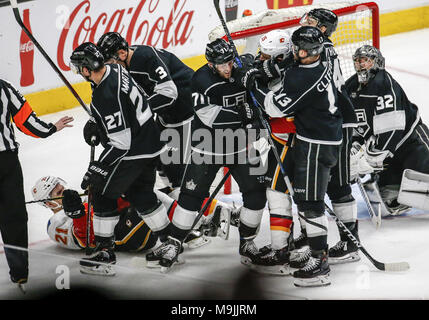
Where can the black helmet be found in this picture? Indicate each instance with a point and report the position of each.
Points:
(324, 17)
(86, 55)
(364, 75)
(309, 39)
(109, 44)
(219, 52)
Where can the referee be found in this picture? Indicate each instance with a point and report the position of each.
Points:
(13, 214)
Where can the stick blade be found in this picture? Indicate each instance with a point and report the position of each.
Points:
(397, 266)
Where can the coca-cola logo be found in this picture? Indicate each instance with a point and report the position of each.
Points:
(142, 24)
(26, 47)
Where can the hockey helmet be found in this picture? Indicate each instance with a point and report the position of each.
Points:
(323, 17)
(219, 52)
(86, 55)
(374, 62)
(308, 38)
(43, 187)
(275, 43)
(109, 44)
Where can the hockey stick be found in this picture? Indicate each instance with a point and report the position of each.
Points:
(393, 266)
(255, 103)
(14, 6)
(375, 216)
(50, 199)
(88, 215)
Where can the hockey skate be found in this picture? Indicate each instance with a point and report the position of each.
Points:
(299, 258)
(153, 258)
(343, 252)
(99, 263)
(170, 254)
(275, 262)
(196, 239)
(249, 252)
(219, 225)
(315, 273)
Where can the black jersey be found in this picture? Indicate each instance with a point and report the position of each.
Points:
(122, 113)
(309, 92)
(344, 103)
(383, 110)
(166, 80)
(215, 105)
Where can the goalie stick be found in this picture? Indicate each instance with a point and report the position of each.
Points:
(255, 103)
(374, 214)
(392, 266)
(14, 5)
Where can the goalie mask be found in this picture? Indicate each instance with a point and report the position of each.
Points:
(43, 188)
(367, 61)
(276, 44)
(110, 43)
(321, 17)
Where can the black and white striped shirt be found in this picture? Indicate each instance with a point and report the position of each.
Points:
(13, 106)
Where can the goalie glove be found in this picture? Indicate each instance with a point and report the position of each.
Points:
(358, 163)
(375, 157)
(72, 204)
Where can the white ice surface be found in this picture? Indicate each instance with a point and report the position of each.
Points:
(214, 271)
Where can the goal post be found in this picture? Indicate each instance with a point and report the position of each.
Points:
(358, 24)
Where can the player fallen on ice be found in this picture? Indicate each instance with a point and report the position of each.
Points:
(67, 225)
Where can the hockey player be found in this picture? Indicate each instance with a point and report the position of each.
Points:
(339, 190)
(275, 50)
(167, 82)
(394, 139)
(13, 213)
(221, 113)
(128, 161)
(310, 93)
(67, 226)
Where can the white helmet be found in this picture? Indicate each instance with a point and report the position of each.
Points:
(275, 43)
(43, 188)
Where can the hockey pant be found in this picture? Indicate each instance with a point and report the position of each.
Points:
(312, 164)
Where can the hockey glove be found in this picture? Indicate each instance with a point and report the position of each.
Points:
(96, 176)
(91, 130)
(270, 70)
(246, 113)
(246, 76)
(72, 204)
(375, 157)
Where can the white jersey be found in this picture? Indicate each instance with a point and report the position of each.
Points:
(60, 230)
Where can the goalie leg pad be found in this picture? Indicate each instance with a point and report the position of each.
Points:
(414, 190)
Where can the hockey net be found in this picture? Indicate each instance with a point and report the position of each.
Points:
(358, 24)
